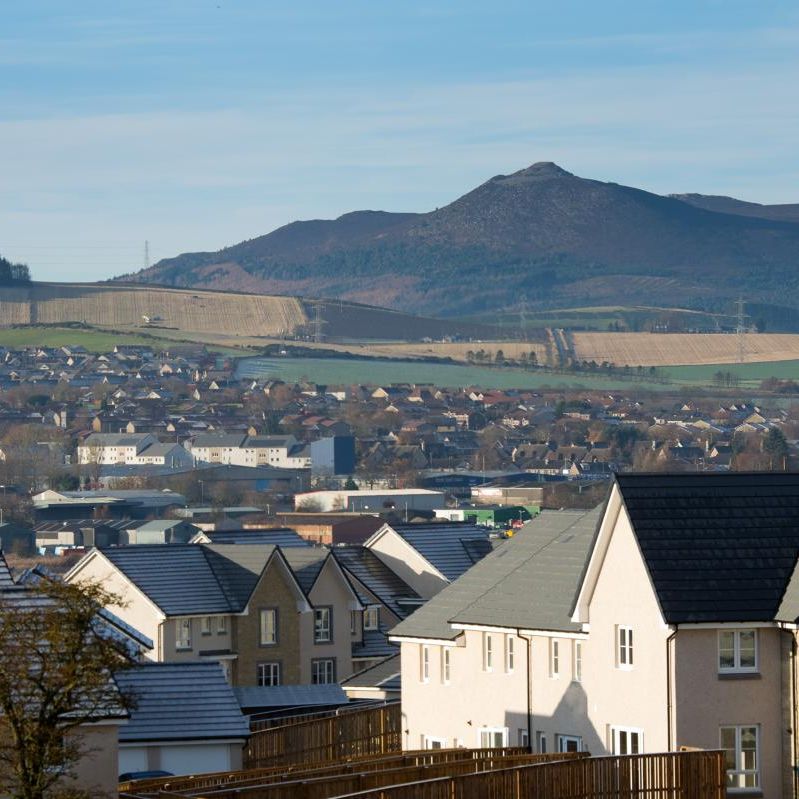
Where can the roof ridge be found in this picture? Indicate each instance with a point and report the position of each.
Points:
(222, 587)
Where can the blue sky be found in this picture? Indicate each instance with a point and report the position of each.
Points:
(197, 124)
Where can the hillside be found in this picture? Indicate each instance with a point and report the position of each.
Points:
(211, 315)
(788, 212)
(540, 234)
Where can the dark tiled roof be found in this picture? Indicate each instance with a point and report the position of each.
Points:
(282, 537)
(290, 695)
(306, 563)
(385, 674)
(718, 547)
(451, 548)
(368, 570)
(181, 702)
(375, 645)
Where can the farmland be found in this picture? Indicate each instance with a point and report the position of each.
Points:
(119, 306)
(672, 349)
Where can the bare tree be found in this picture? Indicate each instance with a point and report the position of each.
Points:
(57, 661)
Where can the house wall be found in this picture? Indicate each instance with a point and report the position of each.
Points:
(626, 697)
(474, 698)
(199, 642)
(331, 589)
(97, 771)
(706, 700)
(137, 610)
(273, 591)
(180, 759)
(408, 564)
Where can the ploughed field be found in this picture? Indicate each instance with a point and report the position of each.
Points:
(120, 306)
(672, 349)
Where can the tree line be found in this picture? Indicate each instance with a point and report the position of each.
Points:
(13, 273)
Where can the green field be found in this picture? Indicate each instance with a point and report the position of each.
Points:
(379, 372)
(749, 374)
(97, 341)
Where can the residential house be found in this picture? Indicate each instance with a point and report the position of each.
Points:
(667, 618)
(186, 720)
(270, 615)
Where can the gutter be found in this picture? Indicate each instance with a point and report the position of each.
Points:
(670, 742)
(529, 689)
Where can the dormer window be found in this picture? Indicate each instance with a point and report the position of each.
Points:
(737, 651)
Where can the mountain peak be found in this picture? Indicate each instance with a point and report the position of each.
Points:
(541, 170)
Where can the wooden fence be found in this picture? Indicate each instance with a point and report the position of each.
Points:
(673, 775)
(225, 779)
(375, 731)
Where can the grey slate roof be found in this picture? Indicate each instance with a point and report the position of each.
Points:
(385, 674)
(718, 547)
(184, 579)
(6, 580)
(306, 563)
(181, 702)
(369, 570)
(451, 548)
(528, 582)
(281, 537)
(375, 645)
(290, 695)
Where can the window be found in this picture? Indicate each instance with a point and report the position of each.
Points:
(578, 661)
(524, 737)
(354, 622)
(737, 651)
(554, 658)
(183, 638)
(741, 747)
(430, 742)
(569, 743)
(424, 664)
(446, 656)
(221, 625)
(323, 671)
(205, 625)
(493, 737)
(268, 674)
(624, 647)
(488, 652)
(509, 652)
(322, 625)
(371, 618)
(626, 741)
(268, 627)
(541, 742)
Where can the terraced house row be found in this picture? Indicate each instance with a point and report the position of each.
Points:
(665, 619)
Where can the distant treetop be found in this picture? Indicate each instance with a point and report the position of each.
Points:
(13, 273)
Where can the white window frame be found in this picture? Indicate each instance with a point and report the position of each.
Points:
(625, 647)
(424, 663)
(740, 772)
(323, 625)
(737, 668)
(324, 667)
(554, 658)
(371, 618)
(221, 625)
(541, 746)
(492, 731)
(577, 666)
(205, 625)
(446, 664)
(488, 652)
(268, 632)
(510, 653)
(433, 742)
(183, 635)
(562, 742)
(615, 739)
(524, 737)
(273, 667)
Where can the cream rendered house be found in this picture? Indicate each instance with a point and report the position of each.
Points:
(665, 619)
